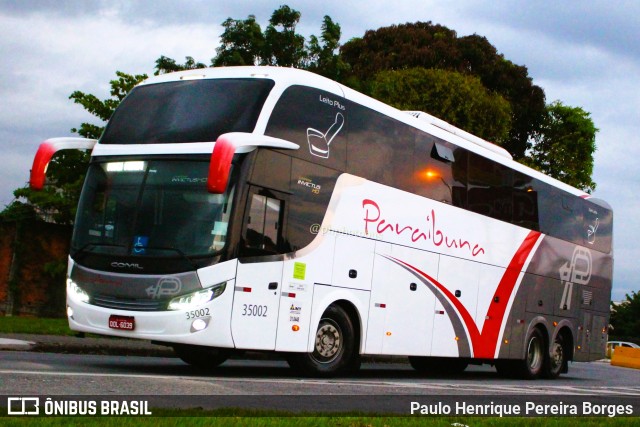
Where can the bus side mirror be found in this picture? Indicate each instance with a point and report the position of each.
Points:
(45, 152)
(220, 165)
(230, 143)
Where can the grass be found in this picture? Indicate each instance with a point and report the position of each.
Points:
(33, 325)
(267, 419)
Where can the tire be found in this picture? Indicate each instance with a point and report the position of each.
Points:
(200, 356)
(438, 365)
(535, 357)
(335, 350)
(556, 361)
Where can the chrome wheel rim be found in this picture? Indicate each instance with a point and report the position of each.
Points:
(534, 354)
(328, 341)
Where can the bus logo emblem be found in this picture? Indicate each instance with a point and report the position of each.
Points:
(319, 142)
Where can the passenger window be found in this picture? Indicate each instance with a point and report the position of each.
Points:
(490, 188)
(440, 171)
(263, 225)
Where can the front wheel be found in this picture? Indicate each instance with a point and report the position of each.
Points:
(334, 349)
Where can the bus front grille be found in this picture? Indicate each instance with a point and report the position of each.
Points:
(128, 304)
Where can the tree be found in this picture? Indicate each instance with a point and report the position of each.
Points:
(167, 65)
(425, 45)
(565, 145)
(283, 46)
(323, 58)
(241, 43)
(625, 317)
(459, 99)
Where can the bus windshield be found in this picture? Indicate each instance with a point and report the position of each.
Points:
(187, 111)
(151, 208)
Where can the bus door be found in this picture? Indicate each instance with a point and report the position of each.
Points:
(258, 286)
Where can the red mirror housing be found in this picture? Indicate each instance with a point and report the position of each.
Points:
(230, 143)
(46, 151)
(220, 165)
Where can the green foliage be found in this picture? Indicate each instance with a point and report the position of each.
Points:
(17, 211)
(323, 58)
(31, 325)
(283, 46)
(625, 317)
(241, 43)
(425, 45)
(244, 43)
(459, 99)
(565, 145)
(166, 65)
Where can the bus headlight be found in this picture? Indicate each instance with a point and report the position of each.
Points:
(76, 293)
(197, 298)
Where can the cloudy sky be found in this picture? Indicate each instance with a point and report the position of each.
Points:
(584, 53)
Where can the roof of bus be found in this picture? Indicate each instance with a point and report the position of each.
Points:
(285, 77)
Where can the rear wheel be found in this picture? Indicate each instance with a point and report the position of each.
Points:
(200, 356)
(334, 349)
(557, 358)
(533, 364)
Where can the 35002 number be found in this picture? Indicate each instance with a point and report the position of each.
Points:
(254, 310)
(194, 314)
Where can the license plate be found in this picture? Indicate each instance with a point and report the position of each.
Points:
(122, 322)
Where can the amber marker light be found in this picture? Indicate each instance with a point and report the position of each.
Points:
(388, 334)
(295, 328)
(457, 338)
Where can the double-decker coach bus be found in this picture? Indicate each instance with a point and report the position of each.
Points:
(258, 208)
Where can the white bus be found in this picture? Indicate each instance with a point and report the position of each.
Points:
(260, 208)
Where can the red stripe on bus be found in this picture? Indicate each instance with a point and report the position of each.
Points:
(484, 343)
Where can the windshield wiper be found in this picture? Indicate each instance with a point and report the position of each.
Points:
(176, 250)
(84, 250)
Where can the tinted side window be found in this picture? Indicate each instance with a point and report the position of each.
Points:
(525, 202)
(311, 188)
(440, 170)
(560, 213)
(314, 119)
(372, 141)
(597, 227)
(272, 170)
(264, 224)
(490, 188)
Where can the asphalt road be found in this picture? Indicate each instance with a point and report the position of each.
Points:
(264, 384)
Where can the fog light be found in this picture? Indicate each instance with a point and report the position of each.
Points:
(199, 325)
(69, 312)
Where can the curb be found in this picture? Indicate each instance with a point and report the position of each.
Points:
(82, 345)
(17, 345)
